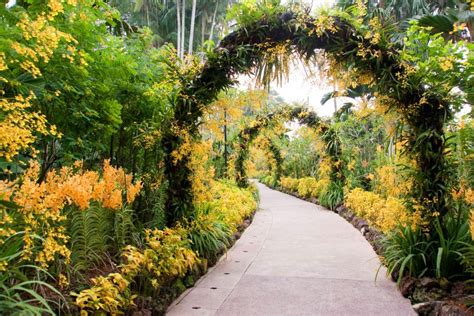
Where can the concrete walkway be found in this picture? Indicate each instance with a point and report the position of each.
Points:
(296, 258)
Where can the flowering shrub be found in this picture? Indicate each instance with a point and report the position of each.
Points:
(390, 183)
(306, 187)
(109, 294)
(166, 255)
(202, 173)
(33, 42)
(290, 184)
(40, 217)
(232, 203)
(382, 213)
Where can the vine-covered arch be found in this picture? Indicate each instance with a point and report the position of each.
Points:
(248, 134)
(298, 33)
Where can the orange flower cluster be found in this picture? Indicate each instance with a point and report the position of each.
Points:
(41, 205)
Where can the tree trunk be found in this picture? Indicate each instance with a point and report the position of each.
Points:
(178, 21)
(147, 9)
(225, 145)
(191, 30)
(213, 21)
(203, 25)
(183, 29)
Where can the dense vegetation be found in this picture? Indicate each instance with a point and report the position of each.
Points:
(123, 160)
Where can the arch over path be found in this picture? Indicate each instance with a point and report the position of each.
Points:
(251, 48)
(296, 258)
(304, 117)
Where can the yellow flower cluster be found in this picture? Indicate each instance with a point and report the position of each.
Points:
(18, 126)
(80, 188)
(466, 194)
(232, 203)
(166, 255)
(39, 215)
(324, 23)
(202, 174)
(382, 213)
(41, 205)
(307, 187)
(186, 146)
(37, 43)
(374, 33)
(109, 294)
(389, 182)
(40, 40)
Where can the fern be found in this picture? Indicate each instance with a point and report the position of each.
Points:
(123, 228)
(158, 209)
(89, 230)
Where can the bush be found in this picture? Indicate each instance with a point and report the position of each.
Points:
(207, 233)
(170, 254)
(442, 253)
(289, 184)
(308, 187)
(332, 196)
(384, 214)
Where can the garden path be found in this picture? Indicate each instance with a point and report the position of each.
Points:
(296, 258)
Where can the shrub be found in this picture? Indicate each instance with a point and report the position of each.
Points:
(289, 184)
(332, 195)
(382, 213)
(441, 253)
(207, 233)
(233, 203)
(171, 253)
(166, 255)
(308, 187)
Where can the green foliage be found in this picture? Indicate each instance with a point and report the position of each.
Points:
(123, 228)
(20, 285)
(90, 230)
(445, 253)
(454, 242)
(333, 196)
(301, 157)
(14, 292)
(209, 236)
(406, 252)
(97, 231)
(360, 135)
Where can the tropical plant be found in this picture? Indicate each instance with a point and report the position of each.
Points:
(442, 254)
(208, 234)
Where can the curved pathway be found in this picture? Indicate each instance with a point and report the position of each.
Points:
(296, 258)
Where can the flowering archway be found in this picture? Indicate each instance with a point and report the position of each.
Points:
(248, 134)
(261, 46)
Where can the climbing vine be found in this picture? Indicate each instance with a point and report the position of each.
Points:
(268, 33)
